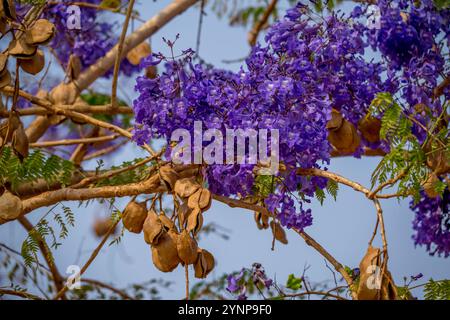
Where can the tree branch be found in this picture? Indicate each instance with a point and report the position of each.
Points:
(253, 34)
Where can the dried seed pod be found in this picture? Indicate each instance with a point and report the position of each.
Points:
(3, 25)
(204, 264)
(64, 94)
(195, 221)
(278, 232)
(5, 79)
(370, 261)
(151, 72)
(153, 228)
(345, 139)
(336, 120)
(368, 266)
(20, 49)
(194, 198)
(262, 220)
(33, 65)
(10, 207)
(20, 143)
(3, 62)
(8, 128)
(138, 53)
(187, 248)
(169, 176)
(205, 199)
(102, 225)
(165, 254)
(9, 9)
(439, 161)
(167, 223)
(200, 199)
(40, 33)
(429, 186)
(134, 216)
(186, 187)
(370, 129)
(183, 213)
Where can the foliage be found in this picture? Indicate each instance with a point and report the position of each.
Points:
(437, 290)
(37, 166)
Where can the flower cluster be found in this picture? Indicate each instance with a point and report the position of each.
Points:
(290, 85)
(310, 66)
(413, 38)
(92, 41)
(432, 223)
(256, 276)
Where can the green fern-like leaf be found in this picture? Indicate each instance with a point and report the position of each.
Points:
(332, 188)
(320, 195)
(437, 290)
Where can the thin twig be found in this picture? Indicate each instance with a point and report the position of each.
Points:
(91, 258)
(119, 53)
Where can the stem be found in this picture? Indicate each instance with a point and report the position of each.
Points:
(119, 53)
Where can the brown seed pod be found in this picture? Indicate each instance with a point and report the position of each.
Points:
(370, 129)
(368, 266)
(187, 248)
(33, 65)
(345, 139)
(183, 213)
(194, 198)
(102, 225)
(372, 258)
(10, 207)
(165, 254)
(153, 228)
(167, 223)
(20, 49)
(336, 120)
(138, 53)
(5, 79)
(8, 9)
(3, 62)
(429, 186)
(151, 72)
(64, 94)
(439, 161)
(3, 25)
(205, 199)
(134, 216)
(195, 221)
(40, 33)
(169, 176)
(20, 143)
(186, 187)
(204, 264)
(278, 232)
(200, 199)
(262, 220)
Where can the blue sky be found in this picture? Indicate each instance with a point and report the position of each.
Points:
(342, 227)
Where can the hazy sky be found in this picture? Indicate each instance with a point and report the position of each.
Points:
(343, 227)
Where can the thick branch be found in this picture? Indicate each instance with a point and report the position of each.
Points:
(99, 68)
(253, 34)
